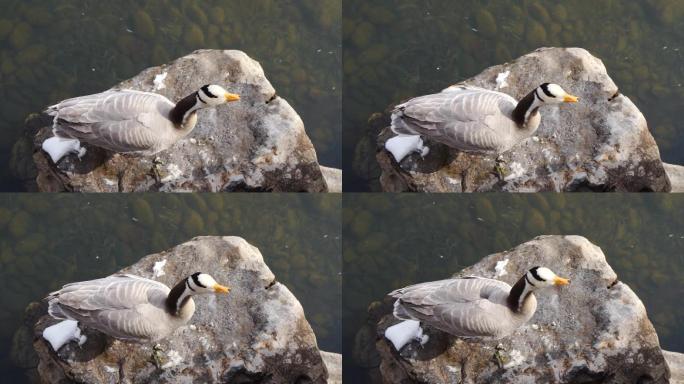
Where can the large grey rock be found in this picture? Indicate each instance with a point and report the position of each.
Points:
(258, 143)
(255, 334)
(600, 144)
(593, 331)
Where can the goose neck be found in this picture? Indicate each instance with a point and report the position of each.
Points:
(521, 299)
(526, 113)
(184, 114)
(179, 302)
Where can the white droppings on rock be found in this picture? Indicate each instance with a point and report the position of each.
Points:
(516, 358)
(158, 268)
(174, 358)
(501, 79)
(58, 147)
(109, 181)
(193, 140)
(402, 145)
(159, 81)
(516, 171)
(500, 268)
(173, 173)
(405, 332)
(63, 332)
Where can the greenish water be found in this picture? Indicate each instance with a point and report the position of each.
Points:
(48, 240)
(54, 49)
(396, 49)
(391, 241)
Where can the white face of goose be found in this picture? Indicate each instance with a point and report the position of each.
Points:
(201, 283)
(212, 95)
(541, 277)
(554, 94)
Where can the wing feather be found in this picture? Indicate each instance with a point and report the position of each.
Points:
(466, 118)
(114, 305)
(461, 306)
(121, 121)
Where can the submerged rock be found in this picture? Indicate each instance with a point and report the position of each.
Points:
(256, 333)
(601, 143)
(256, 144)
(594, 330)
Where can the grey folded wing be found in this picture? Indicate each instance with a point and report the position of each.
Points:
(458, 306)
(466, 118)
(121, 121)
(112, 305)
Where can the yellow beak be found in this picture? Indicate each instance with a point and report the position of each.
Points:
(232, 97)
(221, 289)
(570, 99)
(560, 281)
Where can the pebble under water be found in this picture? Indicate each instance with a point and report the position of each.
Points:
(49, 240)
(54, 49)
(391, 241)
(397, 49)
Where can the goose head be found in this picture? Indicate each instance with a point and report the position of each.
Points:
(526, 113)
(550, 93)
(212, 95)
(542, 277)
(202, 283)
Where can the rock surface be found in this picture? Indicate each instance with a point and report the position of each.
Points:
(676, 175)
(675, 361)
(600, 144)
(256, 144)
(333, 179)
(594, 330)
(333, 363)
(255, 334)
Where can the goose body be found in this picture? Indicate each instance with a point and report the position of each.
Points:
(127, 121)
(474, 119)
(130, 307)
(474, 307)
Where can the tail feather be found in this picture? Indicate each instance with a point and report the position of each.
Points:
(398, 125)
(400, 312)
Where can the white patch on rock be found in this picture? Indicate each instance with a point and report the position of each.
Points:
(158, 268)
(516, 172)
(174, 359)
(405, 332)
(174, 173)
(159, 81)
(516, 359)
(63, 332)
(501, 79)
(500, 268)
(109, 182)
(111, 369)
(402, 145)
(58, 147)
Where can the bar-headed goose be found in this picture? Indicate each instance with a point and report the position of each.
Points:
(473, 119)
(474, 307)
(127, 121)
(130, 307)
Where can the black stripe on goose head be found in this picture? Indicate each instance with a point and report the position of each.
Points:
(534, 273)
(195, 279)
(545, 89)
(205, 90)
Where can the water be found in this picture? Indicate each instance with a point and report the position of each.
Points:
(48, 240)
(54, 49)
(391, 241)
(396, 49)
